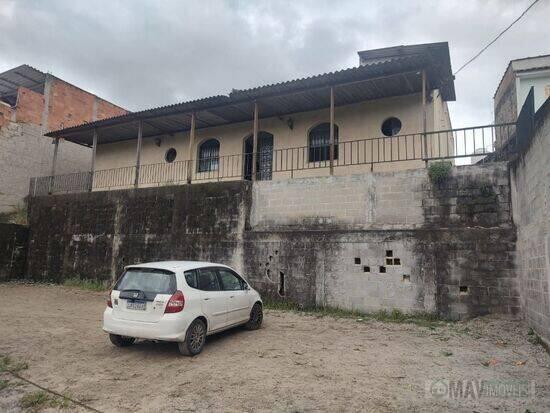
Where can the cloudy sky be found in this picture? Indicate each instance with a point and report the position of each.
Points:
(142, 54)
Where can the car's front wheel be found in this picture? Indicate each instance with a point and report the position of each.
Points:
(121, 341)
(194, 339)
(256, 317)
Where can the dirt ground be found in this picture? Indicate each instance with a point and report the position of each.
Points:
(295, 363)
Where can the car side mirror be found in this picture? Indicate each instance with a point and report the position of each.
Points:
(246, 287)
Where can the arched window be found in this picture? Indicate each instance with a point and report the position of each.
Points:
(209, 155)
(319, 143)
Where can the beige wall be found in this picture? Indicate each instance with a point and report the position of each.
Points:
(355, 122)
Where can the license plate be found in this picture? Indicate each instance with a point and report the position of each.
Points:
(136, 305)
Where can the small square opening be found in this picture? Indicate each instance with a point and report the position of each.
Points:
(366, 268)
(463, 290)
(389, 261)
(389, 253)
(357, 261)
(396, 261)
(382, 269)
(406, 278)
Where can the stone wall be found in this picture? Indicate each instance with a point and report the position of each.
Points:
(13, 250)
(96, 234)
(530, 176)
(365, 242)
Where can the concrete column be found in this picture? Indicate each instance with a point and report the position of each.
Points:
(331, 139)
(255, 141)
(424, 117)
(191, 146)
(54, 162)
(94, 150)
(138, 152)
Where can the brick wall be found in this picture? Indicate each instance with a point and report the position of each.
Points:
(29, 106)
(25, 153)
(531, 205)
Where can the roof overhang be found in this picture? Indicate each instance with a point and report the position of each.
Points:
(20, 76)
(398, 76)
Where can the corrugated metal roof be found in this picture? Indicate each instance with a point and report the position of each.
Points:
(397, 76)
(20, 76)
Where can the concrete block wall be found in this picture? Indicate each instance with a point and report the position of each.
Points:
(447, 249)
(530, 179)
(25, 153)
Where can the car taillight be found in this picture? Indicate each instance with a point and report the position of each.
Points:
(109, 302)
(176, 303)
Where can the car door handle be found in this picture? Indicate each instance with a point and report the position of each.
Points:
(206, 299)
(231, 296)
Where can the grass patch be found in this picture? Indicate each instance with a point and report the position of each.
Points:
(7, 364)
(394, 316)
(17, 215)
(439, 171)
(85, 284)
(4, 384)
(35, 400)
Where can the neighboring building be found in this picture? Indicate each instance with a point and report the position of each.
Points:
(380, 112)
(519, 77)
(32, 103)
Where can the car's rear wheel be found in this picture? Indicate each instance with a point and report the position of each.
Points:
(194, 339)
(121, 341)
(256, 317)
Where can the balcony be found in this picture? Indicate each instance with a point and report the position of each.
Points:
(350, 156)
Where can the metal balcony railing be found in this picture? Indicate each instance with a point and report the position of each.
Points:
(475, 142)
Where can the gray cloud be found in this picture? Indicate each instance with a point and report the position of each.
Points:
(142, 54)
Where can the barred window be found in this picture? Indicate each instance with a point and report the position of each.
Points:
(319, 143)
(209, 155)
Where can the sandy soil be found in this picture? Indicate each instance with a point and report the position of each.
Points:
(296, 362)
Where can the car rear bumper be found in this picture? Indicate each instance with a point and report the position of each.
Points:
(172, 327)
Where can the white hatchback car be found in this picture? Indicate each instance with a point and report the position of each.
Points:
(182, 301)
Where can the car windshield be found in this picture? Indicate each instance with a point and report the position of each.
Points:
(147, 280)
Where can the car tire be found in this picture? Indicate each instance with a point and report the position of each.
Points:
(256, 317)
(195, 338)
(121, 341)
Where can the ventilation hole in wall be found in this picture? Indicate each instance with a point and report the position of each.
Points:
(260, 265)
(267, 264)
(358, 261)
(389, 253)
(389, 261)
(366, 268)
(270, 257)
(396, 261)
(382, 269)
(276, 252)
(268, 272)
(281, 283)
(406, 278)
(463, 289)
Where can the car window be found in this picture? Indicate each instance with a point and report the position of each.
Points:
(150, 280)
(191, 278)
(208, 280)
(229, 280)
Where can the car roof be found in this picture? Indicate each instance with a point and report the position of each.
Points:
(176, 265)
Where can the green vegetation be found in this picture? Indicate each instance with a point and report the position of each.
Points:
(439, 171)
(35, 400)
(7, 364)
(85, 284)
(18, 215)
(394, 316)
(4, 384)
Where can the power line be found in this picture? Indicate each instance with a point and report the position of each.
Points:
(496, 38)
